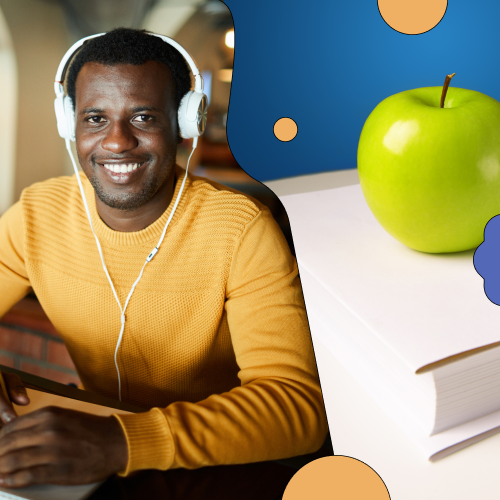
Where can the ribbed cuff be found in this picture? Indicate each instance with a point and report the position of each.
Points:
(149, 440)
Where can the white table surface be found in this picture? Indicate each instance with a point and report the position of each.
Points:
(360, 429)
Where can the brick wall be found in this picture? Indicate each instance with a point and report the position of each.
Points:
(29, 342)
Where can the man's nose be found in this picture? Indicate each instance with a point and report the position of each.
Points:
(119, 138)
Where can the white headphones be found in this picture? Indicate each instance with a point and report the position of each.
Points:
(192, 118)
(192, 114)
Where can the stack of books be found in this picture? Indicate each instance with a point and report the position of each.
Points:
(415, 330)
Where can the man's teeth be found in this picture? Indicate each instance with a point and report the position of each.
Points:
(122, 169)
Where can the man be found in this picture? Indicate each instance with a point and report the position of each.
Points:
(216, 342)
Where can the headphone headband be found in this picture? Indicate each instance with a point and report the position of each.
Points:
(61, 70)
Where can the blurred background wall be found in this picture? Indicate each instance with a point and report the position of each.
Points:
(37, 36)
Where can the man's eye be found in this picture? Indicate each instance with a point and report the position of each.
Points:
(95, 119)
(143, 118)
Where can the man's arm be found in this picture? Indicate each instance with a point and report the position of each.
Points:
(14, 282)
(278, 411)
(14, 285)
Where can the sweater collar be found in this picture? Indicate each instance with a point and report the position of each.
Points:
(151, 233)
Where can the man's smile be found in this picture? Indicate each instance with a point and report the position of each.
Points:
(122, 172)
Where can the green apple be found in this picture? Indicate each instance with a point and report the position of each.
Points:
(431, 174)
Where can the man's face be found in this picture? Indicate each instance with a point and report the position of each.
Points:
(126, 119)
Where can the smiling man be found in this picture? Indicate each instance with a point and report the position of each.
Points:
(216, 343)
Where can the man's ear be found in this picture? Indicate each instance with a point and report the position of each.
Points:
(179, 140)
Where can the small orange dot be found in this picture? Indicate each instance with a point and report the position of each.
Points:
(285, 129)
(412, 17)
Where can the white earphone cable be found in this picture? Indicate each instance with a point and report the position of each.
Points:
(148, 259)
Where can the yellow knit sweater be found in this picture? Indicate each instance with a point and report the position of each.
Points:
(216, 343)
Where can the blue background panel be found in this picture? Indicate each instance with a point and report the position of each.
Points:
(327, 64)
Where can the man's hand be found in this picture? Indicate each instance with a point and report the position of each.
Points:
(59, 446)
(17, 394)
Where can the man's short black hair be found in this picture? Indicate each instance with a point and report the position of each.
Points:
(130, 46)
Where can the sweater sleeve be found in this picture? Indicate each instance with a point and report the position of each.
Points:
(14, 283)
(278, 410)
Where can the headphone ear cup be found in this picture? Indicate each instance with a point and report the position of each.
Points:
(192, 115)
(69, 113)
(65, 117)
(62, 126)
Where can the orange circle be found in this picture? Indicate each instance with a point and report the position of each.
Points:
(412, 17)
(285, 129)
(336, 477)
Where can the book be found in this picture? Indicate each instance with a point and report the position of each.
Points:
(415, 330)
(54, 492)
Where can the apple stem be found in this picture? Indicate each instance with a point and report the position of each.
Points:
(445, 88)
